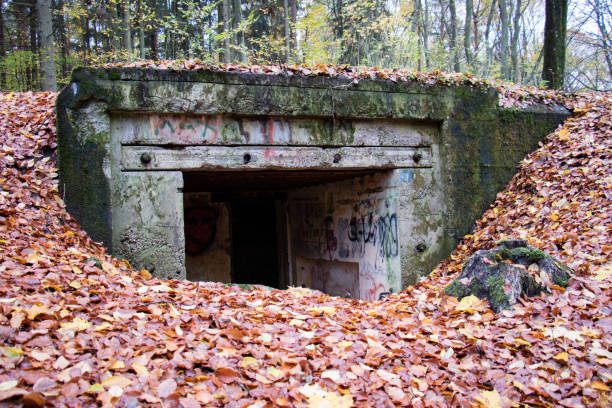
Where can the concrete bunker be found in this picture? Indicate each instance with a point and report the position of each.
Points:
(355, 189)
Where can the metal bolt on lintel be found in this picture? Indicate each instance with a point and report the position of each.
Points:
(145, 158)
(417, 157)
(421, 247)
(337, 158)
(246, 158)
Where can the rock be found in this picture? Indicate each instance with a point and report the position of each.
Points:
(510, 270)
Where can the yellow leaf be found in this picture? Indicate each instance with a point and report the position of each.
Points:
(39, 355)
(11, 352)
(604, 272)
(116, 380)
(518, 385)
(330, 399)
(345, 344)
(249, 362)
(95, 388)
(37, 310)
(77, 324)
(489, 399)
(563, 356)
(328, 310)
(275, 372)
(75, 284)
(599, 386)
(471, 304)
(564, 134)
(299, 292)
(103, 326)
(141, 370)
(522, 342)
(554, 216)
(33, 258)
(7, 385)
(117, 365)
(333, 375)
(145, 274)
(296, 322)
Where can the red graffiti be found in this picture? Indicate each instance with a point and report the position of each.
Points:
(375, 290)
(200, 229)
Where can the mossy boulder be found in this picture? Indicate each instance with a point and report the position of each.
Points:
(511, 270)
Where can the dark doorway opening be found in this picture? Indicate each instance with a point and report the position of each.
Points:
(254, 242)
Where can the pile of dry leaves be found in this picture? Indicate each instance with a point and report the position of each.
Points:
(79, 328)
(510, 95)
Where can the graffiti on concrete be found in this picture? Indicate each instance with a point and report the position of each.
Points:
(332, 226)
(207, 129)
(387, 232)
(200, 229)
(331, 242)
(369, 225)
(187, 128)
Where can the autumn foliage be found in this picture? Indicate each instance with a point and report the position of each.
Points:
(79, 328)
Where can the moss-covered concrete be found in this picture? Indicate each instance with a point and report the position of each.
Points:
(475, 145)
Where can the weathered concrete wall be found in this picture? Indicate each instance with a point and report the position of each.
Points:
(126, 136)
(354, 221)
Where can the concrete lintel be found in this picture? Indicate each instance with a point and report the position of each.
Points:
(272, 157)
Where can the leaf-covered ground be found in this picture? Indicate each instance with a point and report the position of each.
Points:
(77, 331)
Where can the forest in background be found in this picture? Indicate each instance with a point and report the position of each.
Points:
(499, 39)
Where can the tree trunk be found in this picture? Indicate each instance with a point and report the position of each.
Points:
(421, 10)
(287, 32)
(294, 54)
(141, 29)
(62, 40)
(47, 49)
(503, 56)
(127, 26)
(489, 47)
(515, 37)
(85, 38)
(238, 34)
(606, 43)
(154, 45)
(34, 80)
(467, 32)
(555, 27)
(115, 32)
(453, 36)
(222, 29)
(531, 76)
(2, 49)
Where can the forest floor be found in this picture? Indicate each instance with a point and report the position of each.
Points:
(78, 331)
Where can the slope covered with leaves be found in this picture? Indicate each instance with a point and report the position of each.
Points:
(77, 331)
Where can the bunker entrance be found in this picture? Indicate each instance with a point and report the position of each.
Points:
(284, 228)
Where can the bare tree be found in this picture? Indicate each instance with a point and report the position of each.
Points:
(47, 48)
(603, 14)
(453, 36)
(555, 28)
(503, 55)
(287, 31)
(127, 26)
(515, 40)
(467, 32)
